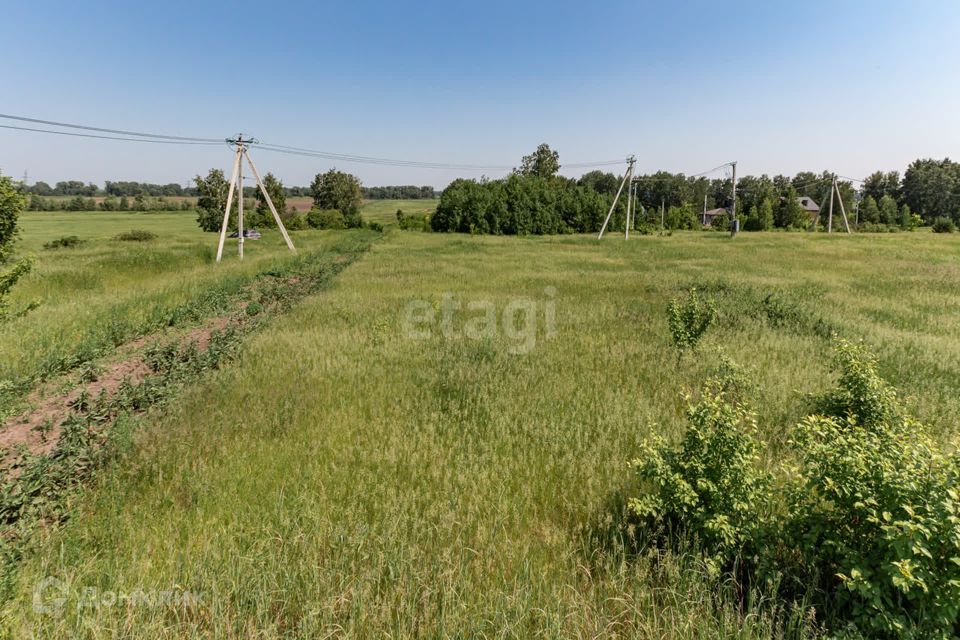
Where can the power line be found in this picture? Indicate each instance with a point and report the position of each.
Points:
(92, 135)
(101, 129)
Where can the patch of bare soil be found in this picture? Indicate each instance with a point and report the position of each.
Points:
(37, 431)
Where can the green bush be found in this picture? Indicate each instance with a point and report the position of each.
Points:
(710, 486)
(863, 523)
(65, 242)
(136, 235)
(326, 219)
(721, 222)
(875, 510)
(689, 319)
(943, 225)
(295, 222)
(375, 226)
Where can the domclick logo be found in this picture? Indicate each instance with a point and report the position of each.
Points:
(51, 596)
(519, 321)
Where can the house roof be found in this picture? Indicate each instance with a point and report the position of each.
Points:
(712, 213)
(808, 204)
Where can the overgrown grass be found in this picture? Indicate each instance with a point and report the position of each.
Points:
(103, 293)
(345, 478)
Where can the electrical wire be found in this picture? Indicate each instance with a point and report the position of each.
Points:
(102, 130)
(92, 135)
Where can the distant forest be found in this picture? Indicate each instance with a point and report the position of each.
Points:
(73, 188)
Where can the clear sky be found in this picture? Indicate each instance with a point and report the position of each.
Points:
(778, 86)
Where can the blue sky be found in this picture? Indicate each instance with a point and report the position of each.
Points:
(778, 86)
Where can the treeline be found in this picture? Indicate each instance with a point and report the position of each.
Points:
(534, 199)
(118, 189)
(403, 192)
(139, 202)
(133, 189)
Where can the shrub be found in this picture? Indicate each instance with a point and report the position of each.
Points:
(943, 225)
(295, 222)
(710, 486)
(65, 242)
(326, 219)
(721, 222)
(375, 226)
(136, 235)
(689, 319)
(869, 528)
(876, 512)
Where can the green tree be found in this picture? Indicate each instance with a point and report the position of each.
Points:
(341, 191)
(888, 210)
(277, 195)
(12, 203)
(790, 215)
(212, 200)
(907, 220)
(932, 188)
(766, 214)
(544, 163)
(869, 211)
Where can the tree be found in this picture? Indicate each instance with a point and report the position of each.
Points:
(879, 184)
(888, 210)
(907, 220)
(212, 201)
(869, 211)
(790, 215)
(932, 188)
(277, 195)
(341, 191)
(11, 204)
(600, 181)
(543, 162)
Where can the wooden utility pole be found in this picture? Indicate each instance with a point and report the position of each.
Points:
(833, 188)
(734, 224)
(627, 179)
(236, 184)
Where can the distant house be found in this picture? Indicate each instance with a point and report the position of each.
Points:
(707, 217)
(808, 204)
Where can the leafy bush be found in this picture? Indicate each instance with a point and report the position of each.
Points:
(689, 319)
(943, 225)
(136, 235)
(711, 485)
(721, 222)
(375, 226)
(295, 222)
(412, 223)
(65, 242)
(876, 511)
(326, 219)
(864, 523)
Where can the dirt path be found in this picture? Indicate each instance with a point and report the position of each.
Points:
(36, 431)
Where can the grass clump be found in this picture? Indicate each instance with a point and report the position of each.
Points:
(64, 242)
(136, 235)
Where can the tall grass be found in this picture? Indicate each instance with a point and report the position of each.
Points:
(346, 479)
(105, 292)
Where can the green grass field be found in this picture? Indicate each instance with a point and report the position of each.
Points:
(367, 471)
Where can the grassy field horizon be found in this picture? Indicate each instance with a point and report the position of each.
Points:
(430, 446)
